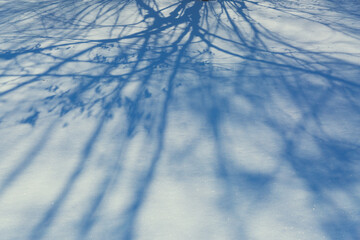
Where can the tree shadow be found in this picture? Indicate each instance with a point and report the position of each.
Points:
(291, 99)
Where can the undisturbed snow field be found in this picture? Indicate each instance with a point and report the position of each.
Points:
(174, 120)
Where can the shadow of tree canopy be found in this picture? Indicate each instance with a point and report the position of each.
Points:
(262, 96)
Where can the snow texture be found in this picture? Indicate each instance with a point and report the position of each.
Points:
(174, 120)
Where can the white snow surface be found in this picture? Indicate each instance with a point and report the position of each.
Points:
(174, 120)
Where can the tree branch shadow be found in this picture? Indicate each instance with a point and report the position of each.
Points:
(84, 56)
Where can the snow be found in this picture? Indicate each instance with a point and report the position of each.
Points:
(157, 119)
